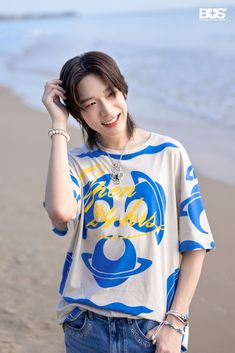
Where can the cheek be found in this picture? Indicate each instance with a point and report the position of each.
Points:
(91, 120)
(122, 104)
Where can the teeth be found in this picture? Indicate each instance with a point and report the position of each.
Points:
(112, 121)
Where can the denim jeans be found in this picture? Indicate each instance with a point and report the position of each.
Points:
(94, 333)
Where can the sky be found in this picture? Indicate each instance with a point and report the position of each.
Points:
(103, 6)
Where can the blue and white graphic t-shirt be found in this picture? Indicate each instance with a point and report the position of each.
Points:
(127, 239)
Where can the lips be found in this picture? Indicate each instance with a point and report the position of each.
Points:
(110, 121)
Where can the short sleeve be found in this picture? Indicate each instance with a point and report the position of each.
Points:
(194, 232)
(62, 229)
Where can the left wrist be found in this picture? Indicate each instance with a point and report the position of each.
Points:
(182, 316)
(174, 320)
(174, 327)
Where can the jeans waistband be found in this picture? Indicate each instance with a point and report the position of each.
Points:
(91, 316)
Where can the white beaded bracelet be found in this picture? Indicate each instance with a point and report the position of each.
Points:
(60, 132)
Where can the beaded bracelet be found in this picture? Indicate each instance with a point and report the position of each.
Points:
(60, 132)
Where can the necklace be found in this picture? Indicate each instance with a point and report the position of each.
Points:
(116, 173)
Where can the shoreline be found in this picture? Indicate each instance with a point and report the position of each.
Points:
(32, 258)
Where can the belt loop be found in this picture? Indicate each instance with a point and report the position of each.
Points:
(90, 314)
(129, 321)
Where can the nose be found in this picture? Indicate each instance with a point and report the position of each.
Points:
(105, 108)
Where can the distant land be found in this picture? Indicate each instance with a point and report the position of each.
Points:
(40, 15)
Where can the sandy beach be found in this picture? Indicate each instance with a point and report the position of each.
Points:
(32, 257)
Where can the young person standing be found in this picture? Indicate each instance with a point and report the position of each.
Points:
(130, 200)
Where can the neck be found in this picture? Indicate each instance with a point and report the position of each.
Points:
(114, 142)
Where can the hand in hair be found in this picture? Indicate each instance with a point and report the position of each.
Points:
(51, 99)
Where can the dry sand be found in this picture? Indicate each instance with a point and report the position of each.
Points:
(32, 257)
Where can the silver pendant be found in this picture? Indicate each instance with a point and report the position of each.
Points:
(116, 174)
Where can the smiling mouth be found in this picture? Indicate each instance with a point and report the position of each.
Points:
(113, 120)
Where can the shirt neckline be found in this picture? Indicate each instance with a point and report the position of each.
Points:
(129, 150)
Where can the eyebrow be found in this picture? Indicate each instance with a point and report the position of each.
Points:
(88, 98)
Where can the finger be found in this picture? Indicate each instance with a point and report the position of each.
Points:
(55, 92)
(55, 81)
(54, 87)
(57, 87)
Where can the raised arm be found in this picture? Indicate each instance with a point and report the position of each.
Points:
(60, 203)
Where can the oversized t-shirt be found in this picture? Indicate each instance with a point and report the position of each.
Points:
(127, 239)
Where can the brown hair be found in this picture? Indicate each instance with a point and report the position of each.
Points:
(74, 70)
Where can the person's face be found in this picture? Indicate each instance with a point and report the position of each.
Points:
(101, 105)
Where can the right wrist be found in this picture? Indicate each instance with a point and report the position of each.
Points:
(59, 125)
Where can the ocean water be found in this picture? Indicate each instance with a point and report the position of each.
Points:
(180, 71)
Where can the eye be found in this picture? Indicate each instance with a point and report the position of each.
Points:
(87, 106)
(111, 94)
